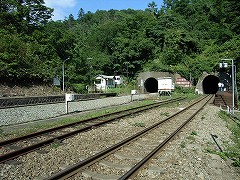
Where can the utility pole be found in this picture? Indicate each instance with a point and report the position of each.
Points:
(90, 76)
(63, 73)
(233, 80)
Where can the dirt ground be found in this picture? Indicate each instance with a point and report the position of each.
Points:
(29, 90)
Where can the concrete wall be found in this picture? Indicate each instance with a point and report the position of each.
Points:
(199, 87)
(142, 77)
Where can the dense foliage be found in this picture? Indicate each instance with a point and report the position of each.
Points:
(183, 36)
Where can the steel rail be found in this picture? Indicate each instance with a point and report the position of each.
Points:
(15, 102)
(222, 100)
(10, 141)
(25, 150)
(134, 170)
(71, 170)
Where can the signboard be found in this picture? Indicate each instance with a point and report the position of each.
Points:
(223, 65)
(56, 82)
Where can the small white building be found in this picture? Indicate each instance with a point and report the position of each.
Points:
(165, 85)
(102, 82)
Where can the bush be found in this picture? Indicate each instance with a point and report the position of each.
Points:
(123, 89)
(79, 88)
(184, 90)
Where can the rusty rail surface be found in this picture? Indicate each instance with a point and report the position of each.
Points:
(80, 166)
(94, 122)
(144, 161)
(40, 100)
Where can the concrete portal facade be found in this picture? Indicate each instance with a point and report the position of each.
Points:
(210, 83)
(207, 81)
(147, 81)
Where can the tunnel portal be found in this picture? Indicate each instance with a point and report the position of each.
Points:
(210, 84)
(151, 85)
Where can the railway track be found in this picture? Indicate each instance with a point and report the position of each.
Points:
(127, 158)
(14, 102)
(19, 146)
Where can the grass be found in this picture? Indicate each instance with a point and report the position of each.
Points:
(189, 98)
(39, 127)
(165, 114)
(194, 133)
(221, 154)
(139, 124)
(232, 150)
(56, 144)
(43, 126)
(124, 89)
(183, 144)
(190, 139)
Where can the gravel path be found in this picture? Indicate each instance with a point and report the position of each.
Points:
(185, 158)
(19, 115)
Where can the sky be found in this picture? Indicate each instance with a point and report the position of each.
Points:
(63, 8)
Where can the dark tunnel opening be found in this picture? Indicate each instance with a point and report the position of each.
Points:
(210, 84)
(151, 85)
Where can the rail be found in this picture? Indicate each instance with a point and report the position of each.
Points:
(89, 124)
(82, 165)
(39, 100)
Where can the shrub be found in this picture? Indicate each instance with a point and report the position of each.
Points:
(184, 90)
(79, 88)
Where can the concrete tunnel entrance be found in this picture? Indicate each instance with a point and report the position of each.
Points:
(151, 85)
(210, 84)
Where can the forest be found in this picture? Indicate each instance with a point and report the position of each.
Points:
(182, 36)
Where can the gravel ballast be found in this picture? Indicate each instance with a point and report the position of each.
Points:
(25, 114)
(184, 158)
(187, 157)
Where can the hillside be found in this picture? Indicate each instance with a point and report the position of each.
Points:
(184, 36)
(31, 90)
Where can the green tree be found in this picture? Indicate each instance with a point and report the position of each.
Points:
(81, 14)
(232, 15)
(186, 36)
(24, 15)
(152, 7)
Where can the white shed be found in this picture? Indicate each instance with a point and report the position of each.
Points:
(103, 82)
(165, 84)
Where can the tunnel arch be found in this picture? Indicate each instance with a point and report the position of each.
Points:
(210, 84)
(151, 85)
